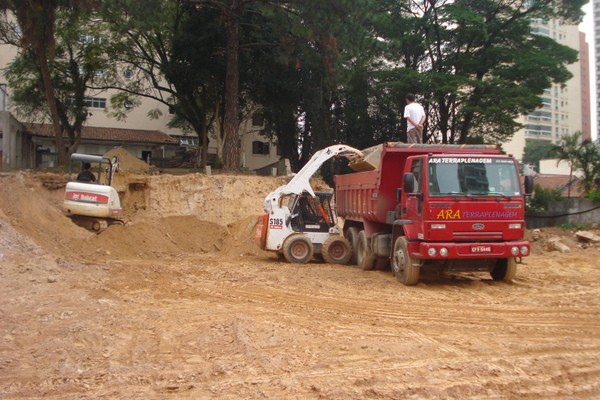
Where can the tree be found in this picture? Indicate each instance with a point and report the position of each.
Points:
(588, 162)
(536, 150)
(477, 63)
(78, 60)
(568, 150)
(173, 54)
(36, 19)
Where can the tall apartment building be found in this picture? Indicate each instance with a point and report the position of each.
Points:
(565, 110)
(596, 7)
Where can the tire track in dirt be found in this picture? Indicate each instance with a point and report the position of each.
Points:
(440, 314)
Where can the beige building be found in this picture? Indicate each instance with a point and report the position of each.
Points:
(257, 152)
(565, 110)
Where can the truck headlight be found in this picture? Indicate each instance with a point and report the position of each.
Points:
(514, 250)
(431, 252)
(443, 252)
(524, 250)
(514, 226)
(438, 226)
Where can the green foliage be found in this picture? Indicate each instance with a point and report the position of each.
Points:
(322, 72)
(594, 195)
(542, 198)
(536, 150)
(583, 156)
(79, 61)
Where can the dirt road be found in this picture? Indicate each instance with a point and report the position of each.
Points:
(184, 306)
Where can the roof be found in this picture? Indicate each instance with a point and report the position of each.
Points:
(561, 182)
(108, 134)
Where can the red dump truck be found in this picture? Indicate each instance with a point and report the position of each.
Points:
(459, 207)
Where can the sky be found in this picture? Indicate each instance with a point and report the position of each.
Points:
(587, 26)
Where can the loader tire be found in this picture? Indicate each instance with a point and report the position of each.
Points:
(336, 250)
(298, 249)
(504, 270)
(352, 235)
(364, 256)
(404, 267)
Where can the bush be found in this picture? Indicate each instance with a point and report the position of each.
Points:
(594, 195)
(541, 199)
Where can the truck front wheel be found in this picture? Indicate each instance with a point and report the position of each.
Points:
(404, 267)
(298, 249)
(336, 250)
(505, 269)
(364, 256)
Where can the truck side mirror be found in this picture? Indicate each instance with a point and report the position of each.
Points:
(528, 185)
(409, 182)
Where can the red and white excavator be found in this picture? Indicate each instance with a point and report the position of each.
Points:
(299, 222)
(93, 204)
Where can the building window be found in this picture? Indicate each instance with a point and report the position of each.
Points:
(258, 119)
(188, 141)
(259, 147)
(90, 102)
(94, 102)
(89, 39)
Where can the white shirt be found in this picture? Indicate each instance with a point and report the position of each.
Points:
(415, 111)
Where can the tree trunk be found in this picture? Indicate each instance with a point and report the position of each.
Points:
(49, 93)
(231, 148)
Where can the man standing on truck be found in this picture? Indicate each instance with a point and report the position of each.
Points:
(415, 118)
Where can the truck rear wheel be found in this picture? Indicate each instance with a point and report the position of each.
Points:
(505, 269)
(298, 249)
(352, 235)
(336, 250)
(364, 256)
(404, 267)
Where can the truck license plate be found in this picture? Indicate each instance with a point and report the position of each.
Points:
(481, 249)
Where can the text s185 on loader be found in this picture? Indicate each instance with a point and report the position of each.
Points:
(92, 204)
(299, 223)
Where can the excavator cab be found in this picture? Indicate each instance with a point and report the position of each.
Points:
(93, 204)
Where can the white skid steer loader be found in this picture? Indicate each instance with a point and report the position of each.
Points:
(299, 223)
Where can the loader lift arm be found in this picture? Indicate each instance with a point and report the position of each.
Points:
(301, 181)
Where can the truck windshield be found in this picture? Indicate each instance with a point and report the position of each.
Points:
(473, 176)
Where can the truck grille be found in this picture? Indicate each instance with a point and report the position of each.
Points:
(475, 236)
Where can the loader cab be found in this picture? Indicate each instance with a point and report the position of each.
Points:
(311, 214)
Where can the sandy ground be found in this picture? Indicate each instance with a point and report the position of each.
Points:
(179, 304)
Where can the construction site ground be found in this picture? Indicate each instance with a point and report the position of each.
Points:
(179, 303)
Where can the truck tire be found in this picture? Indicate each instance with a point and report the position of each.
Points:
(505, 269)
(364, 256)
(336, 250)
(404, 267)
(298, 249)
(352, 235)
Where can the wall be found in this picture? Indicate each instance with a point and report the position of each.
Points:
(569, 212)
(16, 148)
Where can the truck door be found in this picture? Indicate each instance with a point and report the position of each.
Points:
(414, 199)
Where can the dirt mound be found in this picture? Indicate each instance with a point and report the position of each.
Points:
(35, 212)
(163, 237)
(128, 162)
